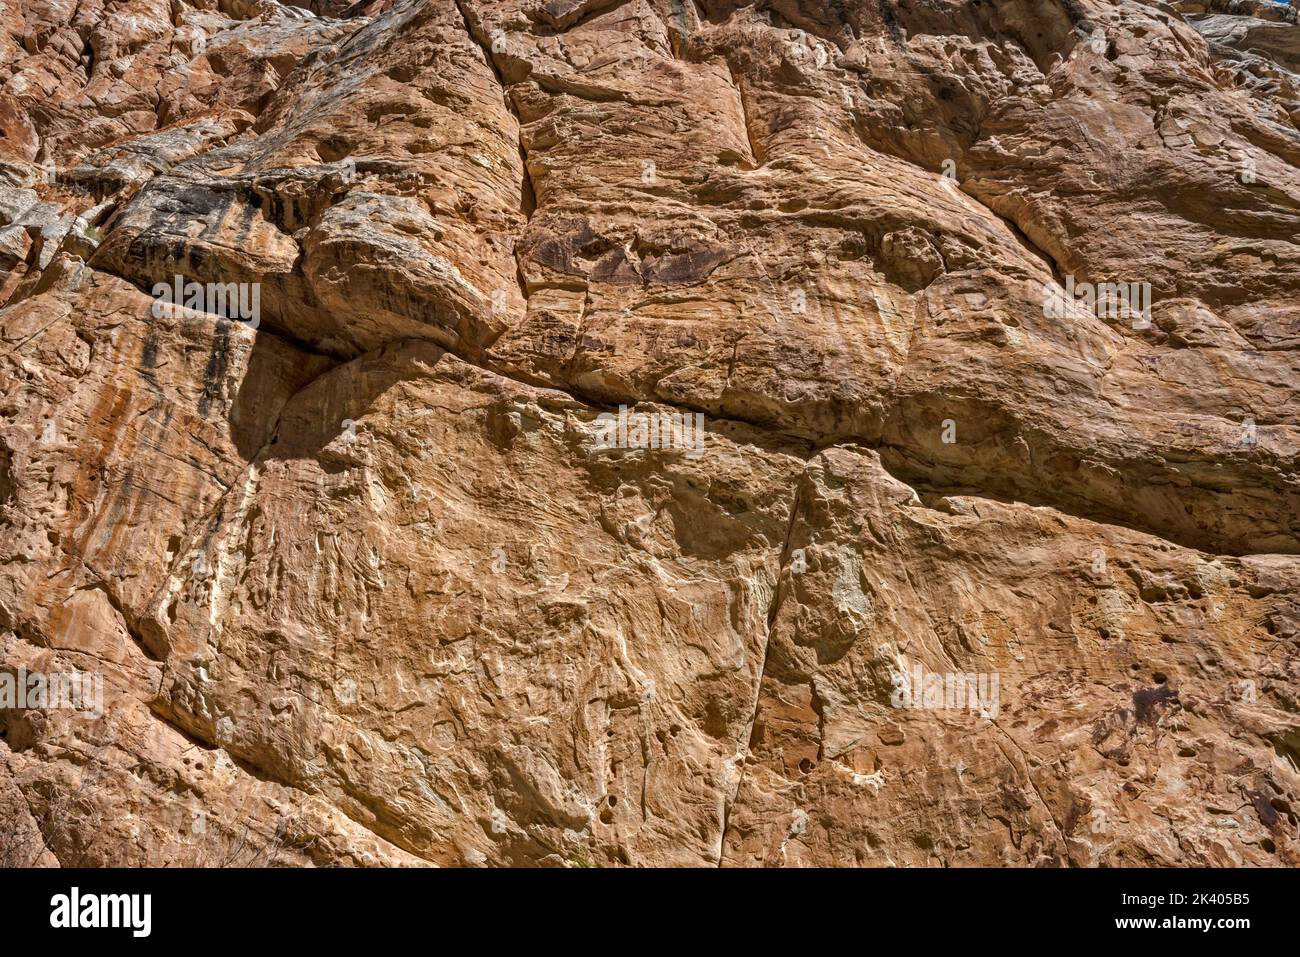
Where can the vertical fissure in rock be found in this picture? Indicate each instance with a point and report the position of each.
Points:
(773, 609)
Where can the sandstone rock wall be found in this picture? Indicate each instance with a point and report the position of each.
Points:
(966, 568)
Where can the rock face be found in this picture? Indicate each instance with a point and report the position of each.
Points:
(650, 432)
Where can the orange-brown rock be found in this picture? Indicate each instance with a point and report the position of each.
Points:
(965, 565)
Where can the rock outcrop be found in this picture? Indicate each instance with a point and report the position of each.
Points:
(650, 432)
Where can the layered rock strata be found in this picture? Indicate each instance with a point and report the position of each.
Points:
(971, 536)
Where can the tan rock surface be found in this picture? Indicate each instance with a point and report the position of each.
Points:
(364, 587)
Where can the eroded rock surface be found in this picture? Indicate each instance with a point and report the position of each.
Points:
(965, 568)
